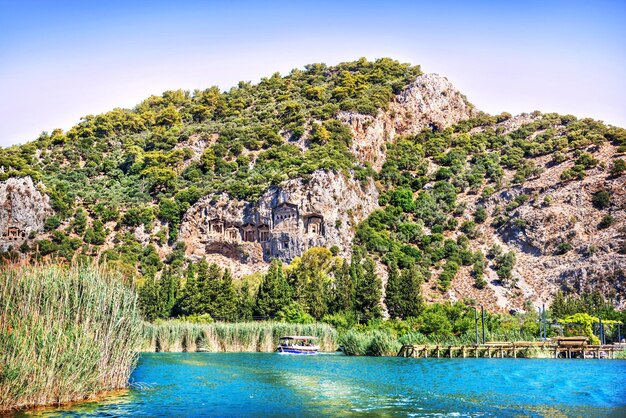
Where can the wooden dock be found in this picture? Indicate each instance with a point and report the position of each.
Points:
(509, 350)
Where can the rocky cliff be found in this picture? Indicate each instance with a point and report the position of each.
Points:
(23, 211)
(431, 101)
(299, 214)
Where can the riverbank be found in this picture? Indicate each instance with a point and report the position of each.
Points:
(260, 336)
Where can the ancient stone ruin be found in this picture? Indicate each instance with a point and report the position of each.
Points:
(23, 210)
(277, 234)
(283, 223)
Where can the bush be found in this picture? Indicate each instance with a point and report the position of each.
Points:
(606, 221)
(480, 215)
(563, 248)
(504, 267)
(435, 323)
(601, 199)
(618, 168)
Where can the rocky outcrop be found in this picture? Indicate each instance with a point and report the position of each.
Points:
(23, 211)
(431, 101)
(283, 223)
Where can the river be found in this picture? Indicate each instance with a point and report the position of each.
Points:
(267, 384)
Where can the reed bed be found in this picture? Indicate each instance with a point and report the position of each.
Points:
(385, 343)
(175, 336)
(66, 334)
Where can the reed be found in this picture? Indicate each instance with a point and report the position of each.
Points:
(66, 334)
(369, 343)
(385, 343)
(232, 337)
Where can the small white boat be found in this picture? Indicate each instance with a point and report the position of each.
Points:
(297, 344)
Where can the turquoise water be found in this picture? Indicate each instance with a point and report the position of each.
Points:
(262, 384)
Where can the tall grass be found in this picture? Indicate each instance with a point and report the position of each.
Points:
(232, 337)
(385, 343)
(66, 334)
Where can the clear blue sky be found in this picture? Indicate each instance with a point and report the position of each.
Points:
(60, 60)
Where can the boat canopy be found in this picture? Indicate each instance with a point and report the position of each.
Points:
(298, 337)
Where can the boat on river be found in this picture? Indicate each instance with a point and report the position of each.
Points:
(298, 344)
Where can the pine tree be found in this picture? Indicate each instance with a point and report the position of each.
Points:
(245, 302)
(559, 306)
(393, 293)
(274, 292)
(343, 291)
(368, 292)
(168, 291)
(356, 272)
(149, 300)
(189, 295)
(209, 277)
(411, 289)
(226, 299)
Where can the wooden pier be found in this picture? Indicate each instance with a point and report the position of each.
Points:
(557, 349)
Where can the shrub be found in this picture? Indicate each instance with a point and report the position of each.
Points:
(563, 248)
(618, 168)
(601, 199)
(480, 215)
(606, 221)
(504, 267)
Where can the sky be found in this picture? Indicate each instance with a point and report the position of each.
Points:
(61, 60)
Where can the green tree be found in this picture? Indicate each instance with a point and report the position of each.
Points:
(79, 224)
(274, 292)
(97, 234)
(150, 301)
(411, 280)
(188, 299)
(226, 299)
(393, 292)
(504, 267)
(168, 292)
(245, 302)
(343, 290)
(310, 279)
(368, 289)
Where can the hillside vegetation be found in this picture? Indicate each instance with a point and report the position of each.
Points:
(458, 204)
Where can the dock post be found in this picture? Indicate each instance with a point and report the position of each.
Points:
(514, 353)
(482, 312)
(476, 323)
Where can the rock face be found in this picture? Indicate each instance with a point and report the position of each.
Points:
(431, 101)
(23, 211)
(557, 237)
(561, 239)
(283, 223)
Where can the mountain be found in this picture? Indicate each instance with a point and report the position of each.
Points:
(503, 209)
